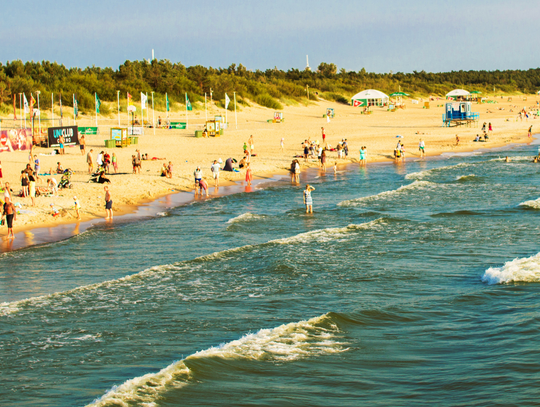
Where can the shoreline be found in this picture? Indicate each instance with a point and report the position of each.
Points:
(53, 232)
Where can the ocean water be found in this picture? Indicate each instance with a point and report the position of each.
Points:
(413, 284)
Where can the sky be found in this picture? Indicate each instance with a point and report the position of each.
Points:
(380, 36)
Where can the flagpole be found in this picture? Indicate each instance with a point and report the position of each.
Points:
(205, 112)
(147, 112)
(74, 119)
(39, 117)
(167, 107)
(118, 98)
(61, 115)
(235, 118)
(25, 114)
(153, 115)
(127, 98)
(20, 107)
(187, 123)
(226, 111)
(95, 100)
(52, 109)
(142, 113)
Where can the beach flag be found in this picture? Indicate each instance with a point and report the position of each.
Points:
(26, 110)
(61, 114)
(144, 98)
(75, 106)
(98, 103)
(188, 104)
(167, 100)
(227, 101)
(14, 108)
(32, 103)
(129, 99)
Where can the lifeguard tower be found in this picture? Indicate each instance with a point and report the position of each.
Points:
(459, 114)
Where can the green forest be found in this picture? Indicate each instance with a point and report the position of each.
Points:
(272, 88)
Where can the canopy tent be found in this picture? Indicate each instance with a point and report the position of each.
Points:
(458, 94)
(370, 97)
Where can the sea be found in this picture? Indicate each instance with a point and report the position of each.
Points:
(412, 284)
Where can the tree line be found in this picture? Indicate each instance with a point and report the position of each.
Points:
(271, 88)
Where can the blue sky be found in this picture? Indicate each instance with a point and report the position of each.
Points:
(380, 36)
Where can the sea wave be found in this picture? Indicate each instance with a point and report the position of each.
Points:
(246, 217)
(413, 186)
(534, 204)
(465, 177)
(422, 174)
(286, 343)
(525, 270)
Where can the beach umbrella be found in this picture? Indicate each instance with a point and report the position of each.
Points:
(399, 96)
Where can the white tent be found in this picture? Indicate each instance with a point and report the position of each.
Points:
(457, 93)
(370, 97)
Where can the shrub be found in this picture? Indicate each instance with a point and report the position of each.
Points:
(268, 101)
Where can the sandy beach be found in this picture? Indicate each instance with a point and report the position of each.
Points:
(376, 131)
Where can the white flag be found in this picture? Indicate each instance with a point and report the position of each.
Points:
(144, 98)
(26, 109)
(227, 101)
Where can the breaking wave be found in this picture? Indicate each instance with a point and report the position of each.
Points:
(413, 186)
(245, 217)
(534, 204)
(286, 343)
(524, 270)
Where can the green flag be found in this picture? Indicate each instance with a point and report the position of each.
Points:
(188, 104)
(167, 99)
(98, 103)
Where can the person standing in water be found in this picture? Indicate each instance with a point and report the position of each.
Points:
(363, 154)
(10, 213)
(308, 201)
(421, 147)
(108, 203)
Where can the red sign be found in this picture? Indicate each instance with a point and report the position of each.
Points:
(15, 140)
(357, 103)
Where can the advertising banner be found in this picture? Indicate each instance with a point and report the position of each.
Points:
(135, 131)
(15, 140)
(70, 133)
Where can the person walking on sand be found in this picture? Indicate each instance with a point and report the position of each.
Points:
(249, 175)
(490, 129)
(114, 161)
(90, 161)
(215, 172)
(36, 167)
(77, 207)
(61, 142)
(108, 203)
(282, 144)
(251, 145)
(530, 132)
(421, 147)
(323, 135)
(10, 213)
(457, 140)
(82, 144)
(308, 201)
(198, 176)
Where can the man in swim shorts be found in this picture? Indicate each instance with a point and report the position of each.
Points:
(108, 203)
(198, 175)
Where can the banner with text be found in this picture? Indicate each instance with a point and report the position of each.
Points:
(70, 134)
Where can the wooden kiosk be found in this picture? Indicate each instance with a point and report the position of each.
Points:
(213, 128)
(120, 137)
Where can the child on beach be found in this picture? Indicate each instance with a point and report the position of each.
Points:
(335, 168)
(77, 207)
(421, 147)
(204, 186)
(249, 175)
(307, 198)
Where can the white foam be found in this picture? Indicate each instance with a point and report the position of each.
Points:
(413, 186)
(464, 177)
(246, 217)
(526, 270)
(286, 343)
(324, 235)
(535, 204)
(422, 174)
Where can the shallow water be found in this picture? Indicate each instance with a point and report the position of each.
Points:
(412, 284)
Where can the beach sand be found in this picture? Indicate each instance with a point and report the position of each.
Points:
(377, 131)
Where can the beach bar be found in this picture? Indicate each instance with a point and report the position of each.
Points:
(370, 97)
